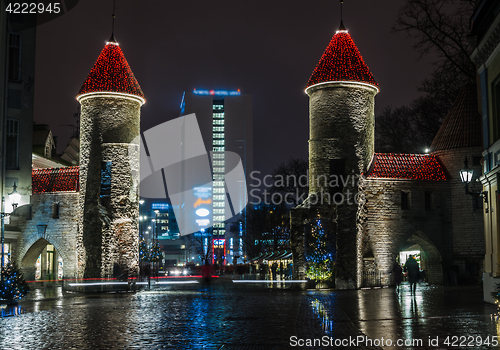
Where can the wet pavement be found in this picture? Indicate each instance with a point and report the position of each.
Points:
(231, 316)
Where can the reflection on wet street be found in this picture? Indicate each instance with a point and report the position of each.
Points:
(230, 316)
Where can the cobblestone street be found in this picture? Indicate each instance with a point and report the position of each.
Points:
(229, 316)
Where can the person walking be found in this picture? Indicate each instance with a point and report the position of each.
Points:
(413, 270)
(397, 273)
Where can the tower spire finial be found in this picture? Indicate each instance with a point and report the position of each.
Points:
(341, 19)
(112, 39)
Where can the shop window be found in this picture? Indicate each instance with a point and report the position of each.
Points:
(6, 252)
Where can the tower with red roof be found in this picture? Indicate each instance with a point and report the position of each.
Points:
(341, 94)
(110, 99)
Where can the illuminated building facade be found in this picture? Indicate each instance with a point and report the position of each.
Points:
(226, 123)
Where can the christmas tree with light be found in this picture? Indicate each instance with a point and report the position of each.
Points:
(155, 254)
(319, 256)
(144, 255)
(13, 286)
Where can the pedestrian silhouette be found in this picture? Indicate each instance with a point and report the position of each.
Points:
(397, 273)
(413, 270)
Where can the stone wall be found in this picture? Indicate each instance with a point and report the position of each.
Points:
(389, 227)
(108, 224)
(54, 221)
(466, 213)
(341, 145)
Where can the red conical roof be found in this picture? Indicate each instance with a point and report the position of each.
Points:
(462, 126)
(111, 73)
(342, 61)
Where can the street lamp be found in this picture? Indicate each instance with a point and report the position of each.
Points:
(466, 176)
(14, 197)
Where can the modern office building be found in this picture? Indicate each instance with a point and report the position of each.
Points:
(225, 119)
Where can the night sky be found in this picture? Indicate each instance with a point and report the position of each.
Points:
(268, 49)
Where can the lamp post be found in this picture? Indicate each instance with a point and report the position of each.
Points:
(14, 199)
(157, 244)
(141, 235)
(466, 176)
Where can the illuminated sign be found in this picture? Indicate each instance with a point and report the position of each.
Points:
(203, 222)
(202, 212)
(219, 243)
(217, 92)
(201, 201)
(203, 204)
(159, 206)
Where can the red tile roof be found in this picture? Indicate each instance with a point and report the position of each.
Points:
(406, 166)
(112, 73)
(341, 61)
(462, 126)
(55, 179)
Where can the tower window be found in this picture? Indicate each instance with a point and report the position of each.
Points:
(337, 170)
(405, 200)
(55, 210)
(428, 198)
(105, 179)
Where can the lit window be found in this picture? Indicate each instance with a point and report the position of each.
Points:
(218, 142)
(218, 183)
(218, 163)
(219, 190)
(219, 170)
(218, 115)
(218, 135)
(219, 122)
(218, 177)
(218, 129)
(219, 204)
(218, 217)
(219, 211)
(219, 197)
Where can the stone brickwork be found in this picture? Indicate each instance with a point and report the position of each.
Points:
(108, 235)
(390, 228)
(341, 145)
(54, 220)
(450, 232)
(466, 213)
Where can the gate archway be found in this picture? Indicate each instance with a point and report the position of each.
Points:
(42, 261)
(429, 256)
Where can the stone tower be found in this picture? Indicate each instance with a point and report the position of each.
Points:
(341, 94)
(108, 232)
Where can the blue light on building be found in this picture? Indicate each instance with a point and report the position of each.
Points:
(217, 92)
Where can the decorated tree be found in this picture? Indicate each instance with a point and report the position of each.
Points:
(144, 255)
(13, 286)
(155, 253)
(320, 255)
